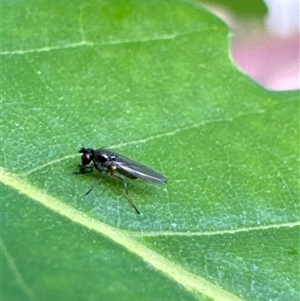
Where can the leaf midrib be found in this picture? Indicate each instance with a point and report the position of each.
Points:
(197, 285)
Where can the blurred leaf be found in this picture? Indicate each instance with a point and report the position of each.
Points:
(153, 81)
(242, 9)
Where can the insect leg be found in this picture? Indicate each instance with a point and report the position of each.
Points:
(83, 169)
(97, 182)
(94, 185)
(86, 169)
(126, 190)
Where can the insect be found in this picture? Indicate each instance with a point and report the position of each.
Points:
(109, 162)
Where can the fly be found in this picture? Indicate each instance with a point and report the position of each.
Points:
(109, 162)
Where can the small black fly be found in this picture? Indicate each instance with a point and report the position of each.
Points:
(104, 160)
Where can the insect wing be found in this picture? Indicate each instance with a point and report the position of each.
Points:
(133, 169)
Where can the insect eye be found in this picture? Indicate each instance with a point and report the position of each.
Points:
(86, 159)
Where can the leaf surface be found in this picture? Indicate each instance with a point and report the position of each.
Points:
(153, 81)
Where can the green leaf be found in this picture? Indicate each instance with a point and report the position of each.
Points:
(152, 80)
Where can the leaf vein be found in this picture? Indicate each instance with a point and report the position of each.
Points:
(195, 284)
